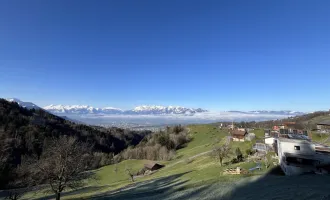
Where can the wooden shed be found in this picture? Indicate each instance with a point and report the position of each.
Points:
(238, 135)
(153, 166)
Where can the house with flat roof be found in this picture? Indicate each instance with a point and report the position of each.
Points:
(299, 155)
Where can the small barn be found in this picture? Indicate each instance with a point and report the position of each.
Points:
(238, 135)
(153, 166)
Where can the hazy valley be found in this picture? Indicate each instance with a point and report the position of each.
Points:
(154, 117)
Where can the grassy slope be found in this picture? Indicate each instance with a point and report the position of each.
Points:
(321, 138)
(201, 170)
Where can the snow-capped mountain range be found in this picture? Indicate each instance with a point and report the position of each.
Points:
(143, 110)
(139, 110)
(81, 109)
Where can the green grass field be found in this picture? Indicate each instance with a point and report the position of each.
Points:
(260, 133)
(191, 172)
(321, 138)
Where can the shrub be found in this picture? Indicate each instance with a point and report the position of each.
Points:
(248, 152)
(178, 129)
(239, 155)
(234, 161)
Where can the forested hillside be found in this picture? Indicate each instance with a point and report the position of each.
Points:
(307, 121)
(25, 132)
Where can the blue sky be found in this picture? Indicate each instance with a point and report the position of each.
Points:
(219, 55)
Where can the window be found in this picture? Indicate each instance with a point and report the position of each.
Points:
(296, 147)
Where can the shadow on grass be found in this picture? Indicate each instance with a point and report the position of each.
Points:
(74, 192)
(162, 188)
(80, 187)
(275, 185)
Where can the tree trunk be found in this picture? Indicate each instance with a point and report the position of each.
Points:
(220, 162)
(58, 196)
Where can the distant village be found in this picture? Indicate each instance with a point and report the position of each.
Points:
(295, 150)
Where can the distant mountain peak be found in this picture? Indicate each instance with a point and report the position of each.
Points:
(81, 109)
(27, 105)
(13, 99)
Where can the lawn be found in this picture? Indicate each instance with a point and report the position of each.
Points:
(321, 138)
(260, 133)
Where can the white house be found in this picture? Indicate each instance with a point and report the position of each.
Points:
(298, 156)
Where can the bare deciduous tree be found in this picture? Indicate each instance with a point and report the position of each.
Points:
(267, 159)
(221, 152)
(63, 163)
(130, 174)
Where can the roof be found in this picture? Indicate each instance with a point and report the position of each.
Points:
(298, 136)
(289, 123)
(260, 146)
(281, 139)
(151, 165)
(325, 122)
(238, 133)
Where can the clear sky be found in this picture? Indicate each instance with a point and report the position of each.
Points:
(220, 55)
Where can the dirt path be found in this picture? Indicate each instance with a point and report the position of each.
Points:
(192, 157)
